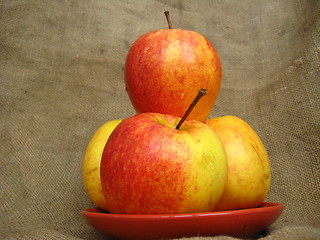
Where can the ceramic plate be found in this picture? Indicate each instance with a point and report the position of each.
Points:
(236, 223)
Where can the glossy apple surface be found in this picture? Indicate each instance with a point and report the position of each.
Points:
(165, 69)
(148, 166)
(91, 163)
(248, 180)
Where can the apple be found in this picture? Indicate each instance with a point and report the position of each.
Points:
(150, 167)
(165, 68)
(91, 163)
(248, 181)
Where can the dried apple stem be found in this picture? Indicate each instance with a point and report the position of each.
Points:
(168, 19)
(201, 93)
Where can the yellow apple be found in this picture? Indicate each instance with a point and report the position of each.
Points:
(92, 160)
(248, 180)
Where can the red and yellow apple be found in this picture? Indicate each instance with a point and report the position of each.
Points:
(248, 181)
(148, 166)
(165, 69)
(91, 163)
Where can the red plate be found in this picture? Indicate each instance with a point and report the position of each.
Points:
(236, 223)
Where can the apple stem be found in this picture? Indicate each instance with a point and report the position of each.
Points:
(168, 19)
(201, 93)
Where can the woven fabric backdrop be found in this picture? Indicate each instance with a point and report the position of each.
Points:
(61, 77)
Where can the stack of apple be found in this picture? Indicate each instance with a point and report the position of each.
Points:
(169, 157)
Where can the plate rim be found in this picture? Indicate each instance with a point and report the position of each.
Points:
(263, 207)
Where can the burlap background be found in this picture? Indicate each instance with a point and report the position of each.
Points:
(61, 77)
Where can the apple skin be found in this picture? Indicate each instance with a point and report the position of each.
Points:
(149, 167)
(249, 174)
(165, 69)
(92, 160)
